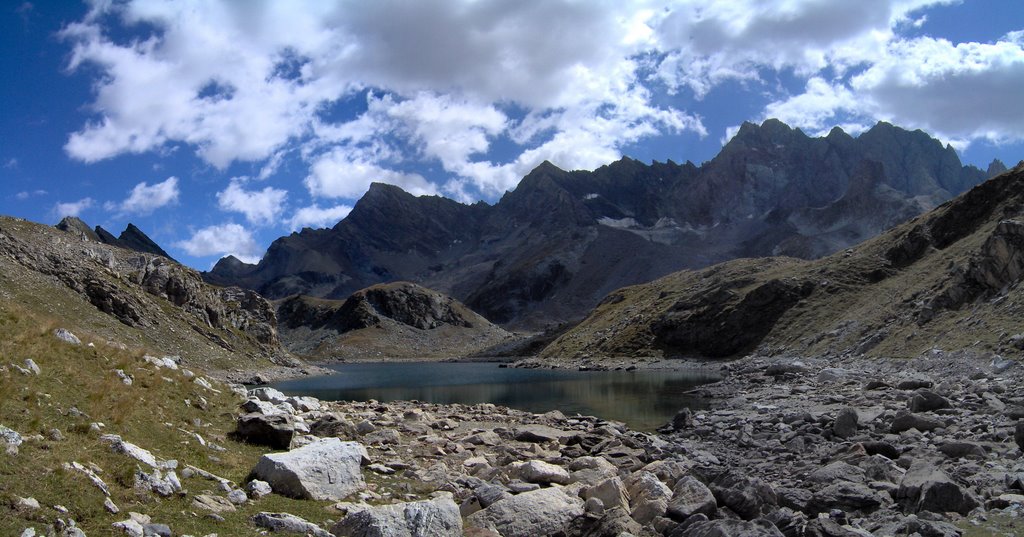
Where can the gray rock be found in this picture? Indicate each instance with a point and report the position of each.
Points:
(32, 366)
(531, 514)
(258, 489)
(488, 494)
(845, 424)
(333, 425)
(272, 430)
(904, 421)
(611, 492)
(10, 437)
(213, 504)
(730, 528)
(66, 336)
(690, 497)
(327, 469)
(540, 472)
(824, 527)
(914, 383)
(287, 523)
(962, 450)
(837, 471)
(749, 497)
(269, 395)
(649, 497)
(539, 433)
(927, 488)
(438, 517)
(1018, 435)
(238, 497)
(846, 496)
(156, 530)
(682, 420)
(925, 400)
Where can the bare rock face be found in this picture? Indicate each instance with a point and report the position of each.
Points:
(327, 469)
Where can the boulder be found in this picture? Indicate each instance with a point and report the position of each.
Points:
(927, 488)
(540, 472)
(648, 497)
(925, 400)
(327, 469)
(690, 497)
(286, 523)
(845, 424)
(904, 421)
(730, 528)
(962, 450)
(332, 425)
(530, 514)
(914, 384)
(846, 496)
(435, 518)
(539, 433)
(269, 395)
(611, 492)
(272, 430)
(1018, 435)
(748, 497)
(837, 471)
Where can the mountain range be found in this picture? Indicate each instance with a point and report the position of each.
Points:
(550, 250)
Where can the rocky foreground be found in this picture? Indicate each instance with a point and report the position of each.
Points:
(928, 447)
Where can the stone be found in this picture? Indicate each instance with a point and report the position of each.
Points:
(365, 427)
(238, 497)
(539, 434)
(28, 504)
(156, 530)
(483, 438)
(332, 424)
(927, 488)
(848, 497)
(925, 400)
(327, 469)
(1018, 435)
(824, 527)
(730, 528)
(914, 383)
(540, 472)
(962, 450)
(837, 471)
(748, 497)
(611, 492)
(287, 523)
(269, 395)
(691, 497)
(437, 517)
(258, 489)
(531, 514)
(127, 448)
(32, 366)
(128, 527)
(488, 494)
(682, 420)
(10, 437)
(272, 430)
(904, 421)
(213, 504)
(254, 405)
(66, 336)
(649, 497)
(885, 449)
(845, 424)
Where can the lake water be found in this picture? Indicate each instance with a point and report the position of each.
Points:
(644, 400)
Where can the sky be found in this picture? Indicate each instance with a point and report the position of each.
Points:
(218, 126)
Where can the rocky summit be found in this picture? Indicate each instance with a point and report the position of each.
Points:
(551, 249)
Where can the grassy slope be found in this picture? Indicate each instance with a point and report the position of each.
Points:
(158, 412)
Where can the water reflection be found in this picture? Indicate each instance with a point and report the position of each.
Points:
(642, 399)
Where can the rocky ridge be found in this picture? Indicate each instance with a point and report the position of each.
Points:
(559, 242)
(132, 238)
(393, 321)
(945, 280)
(150, 299)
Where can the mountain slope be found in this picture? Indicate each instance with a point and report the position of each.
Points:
(132, 238)
(551, 248)
(139, 299)
(947, 279)
(393, 320)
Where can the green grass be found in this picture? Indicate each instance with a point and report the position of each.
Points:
(150, 413)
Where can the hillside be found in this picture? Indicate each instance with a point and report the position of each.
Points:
(394, 320)
(946, 280)
(137, 299)
(549, 250)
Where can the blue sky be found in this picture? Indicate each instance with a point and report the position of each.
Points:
(217, 127)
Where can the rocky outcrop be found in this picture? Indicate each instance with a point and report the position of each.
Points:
(132, 238)
(553, 247)
(394, 320)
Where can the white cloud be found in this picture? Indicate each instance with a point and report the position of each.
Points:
(260, 207)
(25, 194)
(342, 173)
(143, 198)
(11, 163)
(316, 217)
(72, 208)
(220, 240)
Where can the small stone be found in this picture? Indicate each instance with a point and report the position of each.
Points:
(156, 530)
(845, 424)
(28, 504)
(31, 365)
(237, 497)
(110, 506)
(66, 336)
(258, 489)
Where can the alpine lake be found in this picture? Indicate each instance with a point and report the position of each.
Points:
(642, 399)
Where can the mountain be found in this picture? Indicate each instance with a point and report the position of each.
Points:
(948, 279)
(553, 247)
(392, 320)
(132, 238)
(140, 299)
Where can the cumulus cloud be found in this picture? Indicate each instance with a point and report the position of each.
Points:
(260, 207)
(220, 240)
(72, 208)
(316, 217)
(482, 91)
(144, 198)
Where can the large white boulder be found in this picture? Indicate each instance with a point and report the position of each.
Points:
(530, 514)
(437, 518)
(327, 469)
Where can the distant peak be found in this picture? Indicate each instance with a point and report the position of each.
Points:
(76, 226)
